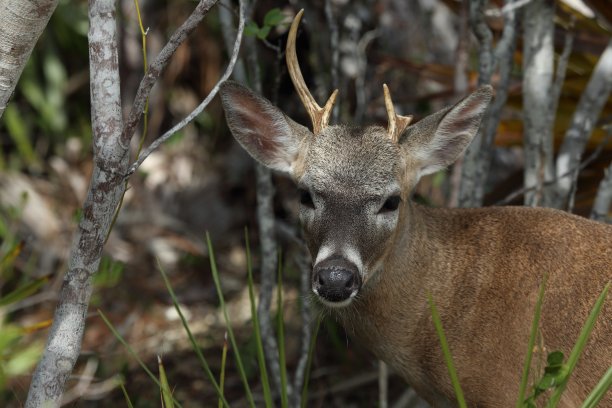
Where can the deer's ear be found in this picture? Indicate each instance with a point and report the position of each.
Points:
(438, 140)
(262, 129)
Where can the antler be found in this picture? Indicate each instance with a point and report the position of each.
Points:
(397, 123)
(319, 116)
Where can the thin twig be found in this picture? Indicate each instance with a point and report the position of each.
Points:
(334, 36)
(159, 64)
(146, 152)
(485, 40)
(510, 197)
(562, 69)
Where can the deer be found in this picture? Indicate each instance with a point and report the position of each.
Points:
(378, 255)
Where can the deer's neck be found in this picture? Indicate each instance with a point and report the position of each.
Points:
(391, 315)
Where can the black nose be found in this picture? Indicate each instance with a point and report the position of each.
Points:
(335, 279)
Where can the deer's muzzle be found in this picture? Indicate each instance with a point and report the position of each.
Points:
(336, 280)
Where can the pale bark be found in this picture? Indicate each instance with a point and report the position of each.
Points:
(538, 58)
(106, 188)
(601, 206)
(587, 112)
(21, 23)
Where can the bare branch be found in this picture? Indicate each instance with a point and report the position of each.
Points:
(21, 23)
(589, 107)
(477, 161)
(106, 189)
(228, 71)
(334, 37)
(159, 64)
(581, 166)
(561, 69)
(485, 41)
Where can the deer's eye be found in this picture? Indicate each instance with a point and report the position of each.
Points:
(306, 198)
(391, 204)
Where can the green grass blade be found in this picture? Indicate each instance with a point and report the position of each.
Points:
(23, 292)
(263, 372)
(313, 342)
(166, 394)
(578, 347)
(133, 353)
(447, 354)
(532, 338)
(125, 394)
(215, 273)
(281, 336)
(192, 340)
(222, 375)
(599, 391)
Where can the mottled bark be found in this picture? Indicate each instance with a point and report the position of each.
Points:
(106, 188)
(21, 23)
(538, 59)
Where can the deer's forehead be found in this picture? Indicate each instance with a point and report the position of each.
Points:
(352, 160)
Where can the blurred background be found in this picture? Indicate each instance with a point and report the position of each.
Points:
(202, 181)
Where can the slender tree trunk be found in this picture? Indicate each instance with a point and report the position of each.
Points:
(585, 117)
(105, 191)
(21, 23)
(538, 54)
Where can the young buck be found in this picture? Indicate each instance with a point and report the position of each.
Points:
(377, 255)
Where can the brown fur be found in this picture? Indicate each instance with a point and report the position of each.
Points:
(483, 267)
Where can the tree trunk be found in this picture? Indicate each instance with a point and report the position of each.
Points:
(105, 191)
(538, 53)
(21, 23)
(585, 117)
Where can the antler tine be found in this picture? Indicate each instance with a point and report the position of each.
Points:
(397, 123)
(319, 116)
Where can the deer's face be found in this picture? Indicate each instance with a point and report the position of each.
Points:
(350, 192)
(353, 182)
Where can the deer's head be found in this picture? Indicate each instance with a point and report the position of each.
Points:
(353, 182)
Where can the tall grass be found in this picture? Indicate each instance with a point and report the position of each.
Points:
(169, 400)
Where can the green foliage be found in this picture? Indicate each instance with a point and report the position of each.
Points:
(17, 357)
(554, 374)
(273, 18)
(531, 343)
(133, 354)
(18, 354)
(109, 273)
(166, 393)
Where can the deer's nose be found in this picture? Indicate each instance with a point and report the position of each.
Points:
(336, 279)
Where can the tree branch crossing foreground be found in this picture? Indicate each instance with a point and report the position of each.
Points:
(111, 159)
